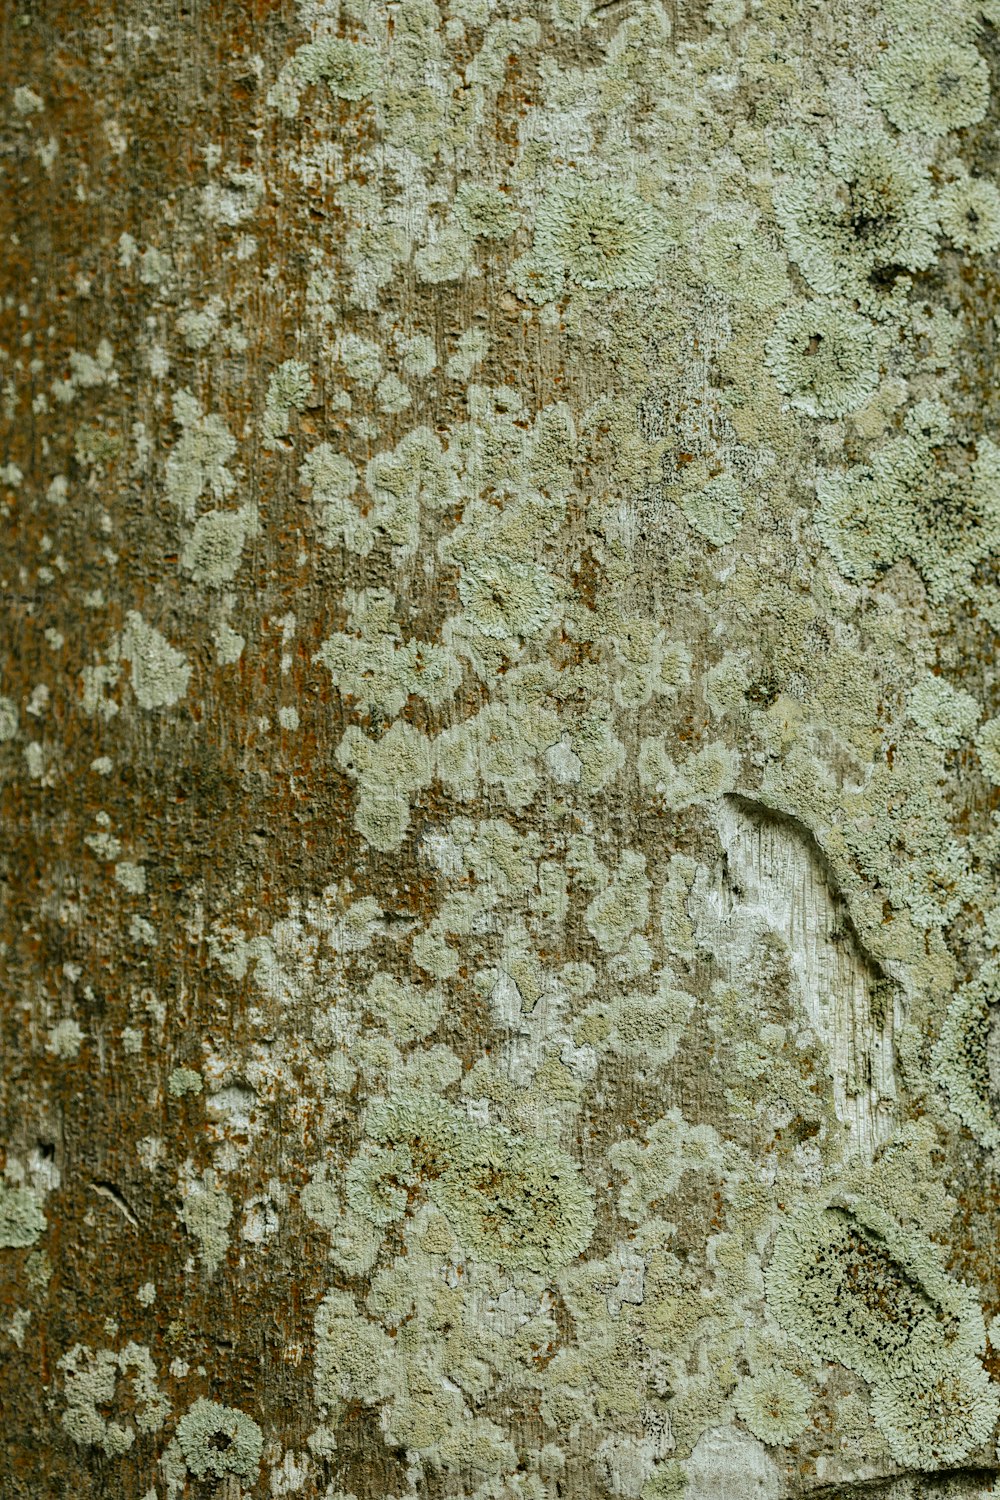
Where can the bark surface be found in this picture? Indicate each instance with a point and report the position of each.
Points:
(499, 749)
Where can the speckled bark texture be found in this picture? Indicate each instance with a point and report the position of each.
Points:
(499, 749)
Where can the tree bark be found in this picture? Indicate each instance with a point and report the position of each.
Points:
(499, 748)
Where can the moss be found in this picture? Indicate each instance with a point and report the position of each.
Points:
(21, 1217)
(932, 83)
(218, 1440)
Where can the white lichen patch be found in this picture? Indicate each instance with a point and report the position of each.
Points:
(98, 1412)
(160, 673)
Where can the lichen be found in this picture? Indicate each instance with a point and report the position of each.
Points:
(774, 1405)
(824, 358)
(21, 1218)
(205, 1211)
(931, 82)
(962, 1064)
(597, 234)
(160, 673)
(850, 1285)
(217, 1440)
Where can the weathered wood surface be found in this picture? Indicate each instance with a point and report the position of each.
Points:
(499, 739)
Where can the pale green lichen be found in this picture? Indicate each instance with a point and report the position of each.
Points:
(962, 1062)
(824, 358)
(946, 714)
(715, 510)
(212, 553)
(160, 673)
(410, 1012)
(904, 502)
(184, 1081)
(353, 1356)
(381, 670)
(349, 69)
(988, 745)
(289, 387)
(377, 1183)
(504, 598)
(851, 1285)
(8, 719)
(360, 358)
(704, 776)
(970, 213)
(616, 912)
(198, 460)
(388, 772)
(131, 876)
(205, 1212)
(654, 1167)
(218, 1440)
(931, 82)
(520, 1202)
(773, 1404)
(484, 212)
(596, 234)
(65, 1039)
(21, 1218)
(91, 1388)
(854, 211)
(446, 257)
